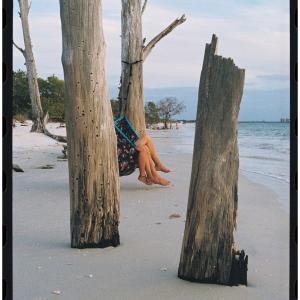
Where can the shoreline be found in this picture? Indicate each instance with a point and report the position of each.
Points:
(145, 265)
(277, 185)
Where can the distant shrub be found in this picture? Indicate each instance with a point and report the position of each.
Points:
(151, 113)
(55, 109)
(21, 99)
(52, 97)
(51, 92)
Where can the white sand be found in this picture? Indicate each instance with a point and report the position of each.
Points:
(145, 265)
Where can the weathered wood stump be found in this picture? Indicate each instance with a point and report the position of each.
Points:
(92, 145)
(207, 248)
(17, 168)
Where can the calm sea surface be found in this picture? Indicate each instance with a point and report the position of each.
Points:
(264, 152)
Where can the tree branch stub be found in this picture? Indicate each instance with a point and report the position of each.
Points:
(19, 48)
(147, 49)
(144, 6)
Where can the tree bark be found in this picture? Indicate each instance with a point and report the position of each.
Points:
(92, 149)
(37, 111)
(206, 254)
(131, 93)
(131, 90)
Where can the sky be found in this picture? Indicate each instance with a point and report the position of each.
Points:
(255, 33)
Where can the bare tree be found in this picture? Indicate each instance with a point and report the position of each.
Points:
(92, 149)
(38, 117)
(37, 111)
(168, 108)
(134, 53)
(208, 252)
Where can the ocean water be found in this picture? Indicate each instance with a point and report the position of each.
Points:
(264, 150)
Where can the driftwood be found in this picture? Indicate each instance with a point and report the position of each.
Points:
(59, 138)
(206, 254)
(92, 148)
(46, 167)
(37, 111)
(134, 53)
(17, 168)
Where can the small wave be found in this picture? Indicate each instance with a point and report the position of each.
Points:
(268, 175)
(265, 146)
(262, 157)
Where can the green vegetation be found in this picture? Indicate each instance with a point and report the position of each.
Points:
(52, 97)
(151, 113)
(51, 91)
(21, 99)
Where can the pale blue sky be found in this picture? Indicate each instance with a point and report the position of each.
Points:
(255, 33)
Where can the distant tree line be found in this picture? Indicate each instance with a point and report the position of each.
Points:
(52, 97)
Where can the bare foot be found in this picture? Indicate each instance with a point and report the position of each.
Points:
(162, 168)
(162, 181)
(145, 180)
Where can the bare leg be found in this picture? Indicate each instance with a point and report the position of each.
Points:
(147, 141)
(155, 178)
(148, 173)
(144, 167)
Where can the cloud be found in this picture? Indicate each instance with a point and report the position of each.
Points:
(251, 36)
(254, 33)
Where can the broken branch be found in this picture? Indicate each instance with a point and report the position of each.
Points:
(144, 6)
(29, 7)
(147, 49)
(19, 48)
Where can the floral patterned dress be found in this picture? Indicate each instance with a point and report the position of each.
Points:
(127, 153)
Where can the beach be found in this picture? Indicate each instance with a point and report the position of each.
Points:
(145, 265)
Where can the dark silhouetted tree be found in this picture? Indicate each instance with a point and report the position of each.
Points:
(151, 113)
(168, 108)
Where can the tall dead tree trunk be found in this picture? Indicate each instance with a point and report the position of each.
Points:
(207, 247)
(133, 55)
(131, 91)
(92, 150)
(37, 111)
